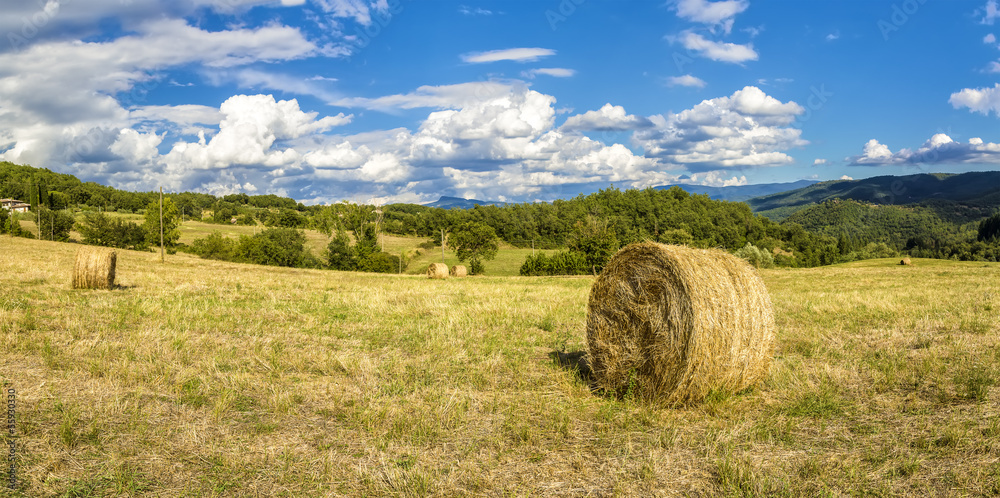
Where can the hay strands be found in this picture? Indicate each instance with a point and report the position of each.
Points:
(95, 268)
(672, 323)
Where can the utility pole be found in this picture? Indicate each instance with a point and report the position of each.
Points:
(38, 211)
(161, 225)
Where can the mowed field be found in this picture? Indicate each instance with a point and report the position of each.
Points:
(508, 260)
(201, 378)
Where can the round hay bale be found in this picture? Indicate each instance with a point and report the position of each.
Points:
(458, 271)
(437, 270)
(95, 268)
(671, 323)
(905, 261)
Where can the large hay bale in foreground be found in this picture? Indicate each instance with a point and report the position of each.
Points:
(94, 268)
(458, 271)
(905, 261)
(437, 270)
(671, 323)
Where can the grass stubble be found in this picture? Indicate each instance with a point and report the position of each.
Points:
(202, 378)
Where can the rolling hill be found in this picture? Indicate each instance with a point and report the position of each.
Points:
(959, 197)
(446, 202)
(739, 193)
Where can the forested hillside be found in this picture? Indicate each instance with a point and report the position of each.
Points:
(58, 191)
(740, 193)
(956, 197)
(590, 227)
(920, 230)
(670, 216)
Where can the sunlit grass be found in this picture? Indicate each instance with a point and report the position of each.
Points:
(207, 378)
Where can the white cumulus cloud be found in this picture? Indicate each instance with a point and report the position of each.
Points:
(441, 97)
(508, 54)
(981, 100)
(717, 51)
(607, 118)
(991, 11)
(713, 14)
(686, 80)
(555, 72)
(747, 129)
(939, 149)
(79, 95)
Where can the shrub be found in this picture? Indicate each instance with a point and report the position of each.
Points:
(275, 247)
(100, 229)
(560, 263)
(55, 225)
(339, 253)
(379, 262)
(596, 241)
(10, 224)
(215, 246)
(756, 257)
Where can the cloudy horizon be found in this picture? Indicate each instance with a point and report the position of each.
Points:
(403, 101)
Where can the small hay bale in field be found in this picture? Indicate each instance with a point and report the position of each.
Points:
(94, 268)
(671, 323)
(905, 262)
(458, 271)
(437, 270)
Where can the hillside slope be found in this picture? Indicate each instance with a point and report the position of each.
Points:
(894, 225)
(204, 378)
(976, 194)
(740, 193)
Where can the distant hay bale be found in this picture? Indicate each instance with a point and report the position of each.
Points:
(94, 268)
(905, 261)
(458, 271)
(671, 323)
(437, 270)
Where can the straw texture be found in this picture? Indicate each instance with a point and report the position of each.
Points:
(437, 270)
(671, 323)
(94, 268)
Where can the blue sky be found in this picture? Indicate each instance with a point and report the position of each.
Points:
(408, 100)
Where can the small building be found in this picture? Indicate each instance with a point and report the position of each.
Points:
(15, 205)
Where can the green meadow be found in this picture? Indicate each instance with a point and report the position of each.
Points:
(205, 378)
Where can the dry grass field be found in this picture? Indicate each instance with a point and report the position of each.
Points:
(201, 378)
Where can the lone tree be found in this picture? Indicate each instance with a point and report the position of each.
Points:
(595, 240)
(171, 222)
(476, 242)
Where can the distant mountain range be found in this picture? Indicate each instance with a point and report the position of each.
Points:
(737, 193)
(740, 193)
(979, 190)
(458, 202)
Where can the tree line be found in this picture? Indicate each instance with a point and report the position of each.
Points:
(586, 230)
